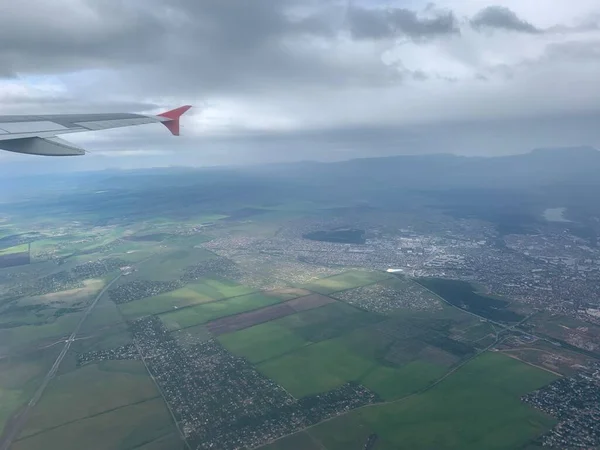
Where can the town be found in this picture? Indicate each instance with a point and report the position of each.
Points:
(220, 400)
(575, 402)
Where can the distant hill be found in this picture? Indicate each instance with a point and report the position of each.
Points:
(540, 167)
(511, 191)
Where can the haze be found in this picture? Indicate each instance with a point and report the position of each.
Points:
(305, 80)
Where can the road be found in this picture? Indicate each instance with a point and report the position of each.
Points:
(14, 427)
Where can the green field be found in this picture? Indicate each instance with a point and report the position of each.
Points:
(478, 407)
(111, 337)
(16, 249)
(262, 342)
(144, 425)
(324, 366)
(25, 335)
(88, 391)
(171, 441)
(199, 314)
(298, 441)
(206, 290)
(169, 264)
(343, 281)
(26, 317)
(20, 376)
(392, 383)
(328, 321)
(104, 314)
(393, 357)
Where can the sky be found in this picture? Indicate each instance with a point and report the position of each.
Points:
(290, 80)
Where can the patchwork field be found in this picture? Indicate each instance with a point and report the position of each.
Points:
(206, 290)
(477, 407)
(23, 248)
(169, 264)
(26, 335)
(269, 313)
(328, 321)
(262, 342)
(196, 315)
(343, 281)
(88, 391)
(19, 378)
(11, 258)
(146, 425)
(314, 339)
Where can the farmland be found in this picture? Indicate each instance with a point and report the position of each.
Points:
(196, 315)
(477, 407)
(347, 280)
(237, 331)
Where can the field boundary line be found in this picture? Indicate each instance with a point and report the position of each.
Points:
(70, 422)
(143, 444)
(160, 391)
(390, 402)
(13, 430)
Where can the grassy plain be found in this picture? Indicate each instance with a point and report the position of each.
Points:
(206, 290)
(19, 378)
(477, 407)
(16, 249)
(324, 366)
(343, 281)
(262, 342)
(392, 383)
(68, 298)
(169, 264)
(108, 338)
(88, 391)
(26, 335)
(298, 441)
(146, 425)
(171, 441)
(328, 321)
(203, 313)
(105, 314)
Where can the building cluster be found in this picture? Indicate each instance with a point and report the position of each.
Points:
(55, 282)
(220, 266)
(221, 401)
(65, 279)
(138, 289)
(575, 402)
(554, 270)
(96, 269)
(128, 351)
(384, 298)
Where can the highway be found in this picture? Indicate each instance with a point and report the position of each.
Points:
(14, 427)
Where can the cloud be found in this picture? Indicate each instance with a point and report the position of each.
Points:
(501, 17)
(379, 23)
(304, 78)
(49, 37)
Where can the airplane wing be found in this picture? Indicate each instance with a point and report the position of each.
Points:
(37, 135)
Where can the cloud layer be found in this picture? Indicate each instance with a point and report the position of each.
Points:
(328, 79)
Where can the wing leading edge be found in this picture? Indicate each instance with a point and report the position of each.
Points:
(37, 135)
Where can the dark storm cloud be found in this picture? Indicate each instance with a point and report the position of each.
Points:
(501, 17)
(201, 46)
(39, 37)
(394, 22)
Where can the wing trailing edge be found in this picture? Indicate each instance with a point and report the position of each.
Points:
(52, 146)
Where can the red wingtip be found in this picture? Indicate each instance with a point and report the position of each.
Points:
(173, 123)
